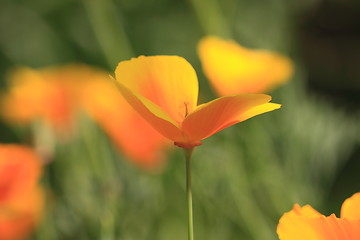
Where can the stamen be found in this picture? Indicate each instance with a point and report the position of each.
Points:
(186, 108)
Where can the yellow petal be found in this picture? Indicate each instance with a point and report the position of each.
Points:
(351, 208)
(294, 225)
(233, 69)
(306, 223)
(306, 211)
(26, 97)
(267, 107)
(152, 113)
(170, 82)
(223, 112)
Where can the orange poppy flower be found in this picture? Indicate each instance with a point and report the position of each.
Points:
(21, 198)
(55, 95)
(164, 90)
(233, 69)
(128, 130)
(49, 94)
(306, 223)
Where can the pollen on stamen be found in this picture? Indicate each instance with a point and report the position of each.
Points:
(186, 108)
(185, 104)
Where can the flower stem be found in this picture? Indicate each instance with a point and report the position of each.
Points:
(188, 153)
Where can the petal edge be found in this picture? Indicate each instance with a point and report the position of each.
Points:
(152, 113)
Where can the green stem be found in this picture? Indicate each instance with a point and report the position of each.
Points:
(107, 225)
(188, 153)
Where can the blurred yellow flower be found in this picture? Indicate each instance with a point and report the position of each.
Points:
(306, 223)
(164, 90)
(128, 130)
(21, 197)
(233, 69)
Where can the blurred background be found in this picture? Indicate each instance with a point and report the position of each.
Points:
(245, 177)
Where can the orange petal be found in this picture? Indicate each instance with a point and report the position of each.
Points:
(233, 69)
(20, 170)
(306, 211)
(152, 113)
(49, 94)
(170, 82)
(333, 228)
(294, 225)
(131, 133)
(21, 198)
(26, 97)
(351, 207)
(223, 112)
(306, 223)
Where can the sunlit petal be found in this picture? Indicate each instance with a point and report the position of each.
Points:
(152, 113)
(233, 69)
(223, 112)
(306, 223)
(351, 208)
(170, 82)
(293, 225)
(267, 107)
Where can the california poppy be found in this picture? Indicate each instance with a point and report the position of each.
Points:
(21, 197)
(306, 223)
(164, 90)
(48, 94)
(234, 69)
(55, 96)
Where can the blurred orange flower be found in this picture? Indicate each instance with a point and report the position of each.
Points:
(56, 95)
(49, 94)
(233, 69)
(164, 90)
(306, 223)
(21, 197)
(129, 131)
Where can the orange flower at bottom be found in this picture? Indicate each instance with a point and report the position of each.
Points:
(305, 223)
(164, 91)
(21, 198)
